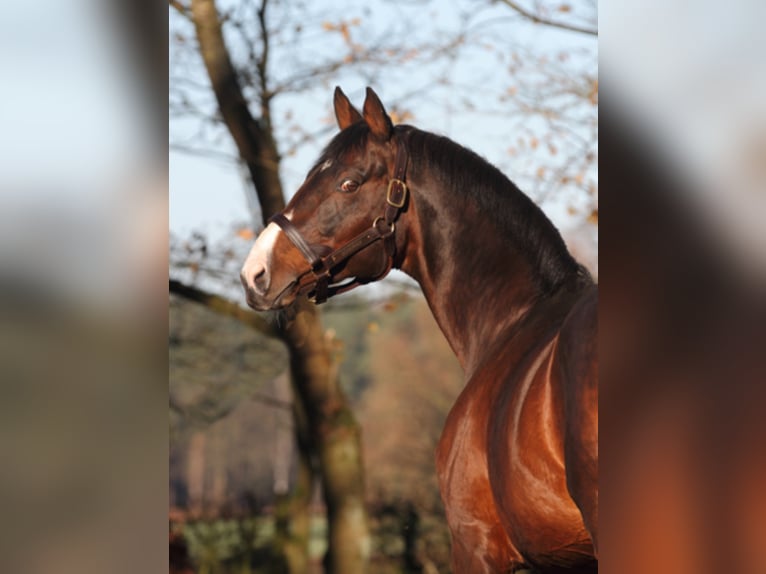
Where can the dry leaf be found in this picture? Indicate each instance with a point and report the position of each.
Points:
(398, 117)
(344, 32)
(593, 96)
(245, 233)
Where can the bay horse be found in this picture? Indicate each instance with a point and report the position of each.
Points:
(518, 457)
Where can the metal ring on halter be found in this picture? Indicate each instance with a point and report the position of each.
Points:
(392, 225)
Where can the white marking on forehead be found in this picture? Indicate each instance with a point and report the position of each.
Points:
(325, 165)
(268, 237)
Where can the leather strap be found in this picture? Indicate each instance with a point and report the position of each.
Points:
(383, 228)
(315, 261)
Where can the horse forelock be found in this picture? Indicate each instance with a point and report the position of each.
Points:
(350, 140)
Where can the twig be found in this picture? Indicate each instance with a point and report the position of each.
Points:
(540, 20)
(271, 401)
(223, 306)
(180, 8)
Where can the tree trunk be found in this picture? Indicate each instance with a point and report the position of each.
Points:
(333, 431)
(195, 477)
(336, 439)
(293, 517)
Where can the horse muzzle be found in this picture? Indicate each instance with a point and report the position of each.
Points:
(259, 291)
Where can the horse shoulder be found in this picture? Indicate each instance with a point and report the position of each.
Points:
(526, 462)
(479, 540)
(577, 358)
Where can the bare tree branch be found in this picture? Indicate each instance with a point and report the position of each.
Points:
(271, 401)
(547, 22)
(223, 306)
(180, 8)
(254, 140)
(205, 152)
(263, 62)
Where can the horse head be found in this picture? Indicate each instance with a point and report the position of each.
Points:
(339, 229)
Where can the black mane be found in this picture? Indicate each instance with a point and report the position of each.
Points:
(520, 220)
(525, 226)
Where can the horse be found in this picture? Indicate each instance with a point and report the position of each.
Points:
(517, 460)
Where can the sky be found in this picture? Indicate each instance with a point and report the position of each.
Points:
(208, 194)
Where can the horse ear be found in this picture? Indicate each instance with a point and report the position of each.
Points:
(376, 117)
(345, 113)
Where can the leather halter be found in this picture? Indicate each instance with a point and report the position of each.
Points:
(323, 259)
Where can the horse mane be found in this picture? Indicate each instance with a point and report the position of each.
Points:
(513, 213)
(462, 171)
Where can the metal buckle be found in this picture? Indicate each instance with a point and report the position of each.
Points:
(397, 204)
(391, 226)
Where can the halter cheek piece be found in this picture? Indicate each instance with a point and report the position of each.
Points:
(323, 259)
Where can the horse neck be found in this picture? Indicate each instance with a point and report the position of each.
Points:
(476, 284)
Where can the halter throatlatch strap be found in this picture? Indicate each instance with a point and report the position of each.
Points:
(322, 259)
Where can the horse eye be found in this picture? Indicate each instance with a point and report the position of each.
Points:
(349, 186)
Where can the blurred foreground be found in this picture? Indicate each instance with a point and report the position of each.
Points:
(683, 371)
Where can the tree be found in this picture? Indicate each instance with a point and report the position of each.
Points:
(330, 429)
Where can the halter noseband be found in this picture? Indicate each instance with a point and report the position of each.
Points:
(322, 259)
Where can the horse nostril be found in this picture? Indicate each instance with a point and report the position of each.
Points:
(260, 281)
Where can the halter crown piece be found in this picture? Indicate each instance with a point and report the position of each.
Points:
(323, 259)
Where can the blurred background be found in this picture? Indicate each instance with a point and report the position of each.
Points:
(260, 479)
